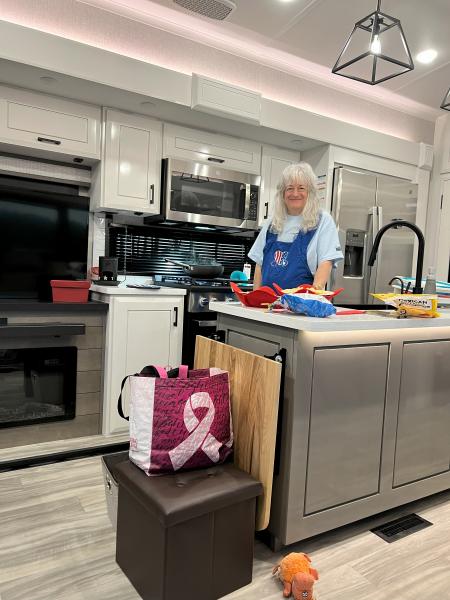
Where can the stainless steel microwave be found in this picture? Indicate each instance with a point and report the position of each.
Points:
(204, 194)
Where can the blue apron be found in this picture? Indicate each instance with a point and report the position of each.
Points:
(285, 263)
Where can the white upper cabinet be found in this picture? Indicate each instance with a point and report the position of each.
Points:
(211, 148)
(49, 127)
(131, 165)
(274, 161)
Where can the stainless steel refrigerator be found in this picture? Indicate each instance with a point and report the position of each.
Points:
(362, 203)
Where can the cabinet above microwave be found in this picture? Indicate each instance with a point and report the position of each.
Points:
(211, 148)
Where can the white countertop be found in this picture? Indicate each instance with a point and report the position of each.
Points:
(372, 320)
(123, 290)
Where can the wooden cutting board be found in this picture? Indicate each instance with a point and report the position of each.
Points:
(255, 389)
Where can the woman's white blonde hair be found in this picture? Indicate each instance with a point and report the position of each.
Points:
(302, 174)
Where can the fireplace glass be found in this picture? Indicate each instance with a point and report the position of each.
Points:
(37, 385)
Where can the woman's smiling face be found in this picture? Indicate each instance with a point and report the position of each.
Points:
(295, 197)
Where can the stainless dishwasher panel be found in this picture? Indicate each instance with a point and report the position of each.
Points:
(423, 430)
(347, 413)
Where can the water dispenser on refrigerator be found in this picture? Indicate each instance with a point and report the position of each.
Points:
(354, 253)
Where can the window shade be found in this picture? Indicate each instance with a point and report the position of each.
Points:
(142, 250)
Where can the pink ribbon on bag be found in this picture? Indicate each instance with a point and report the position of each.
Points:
(199, 432)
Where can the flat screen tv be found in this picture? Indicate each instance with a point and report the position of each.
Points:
(43, 236)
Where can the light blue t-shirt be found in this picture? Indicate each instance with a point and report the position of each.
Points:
(324, 245)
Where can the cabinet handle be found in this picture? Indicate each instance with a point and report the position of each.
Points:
(217, 160)
(175, 322)
(49, 141)
(152, 194)
(266, 204)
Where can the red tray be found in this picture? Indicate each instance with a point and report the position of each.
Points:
(259, 298)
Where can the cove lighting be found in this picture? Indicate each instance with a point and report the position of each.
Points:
(427, 56)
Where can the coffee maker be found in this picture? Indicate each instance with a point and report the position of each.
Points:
(108, 267)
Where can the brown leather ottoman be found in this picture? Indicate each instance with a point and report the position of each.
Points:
(187, 536)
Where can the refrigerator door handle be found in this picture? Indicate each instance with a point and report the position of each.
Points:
(380, 217)
(337, 194)
(338, 272)
(370, 272)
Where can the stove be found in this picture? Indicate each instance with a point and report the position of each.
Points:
(188, 283)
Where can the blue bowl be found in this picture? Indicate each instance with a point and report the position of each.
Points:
(238, 276)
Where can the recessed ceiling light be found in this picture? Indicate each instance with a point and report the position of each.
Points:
(426, 56)
(48, 79)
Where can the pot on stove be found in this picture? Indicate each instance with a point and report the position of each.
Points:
(199, 269)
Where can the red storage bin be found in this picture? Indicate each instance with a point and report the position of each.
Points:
(70, 291)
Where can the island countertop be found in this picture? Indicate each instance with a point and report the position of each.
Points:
(372, 320)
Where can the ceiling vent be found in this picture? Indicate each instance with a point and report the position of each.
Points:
(214, 9)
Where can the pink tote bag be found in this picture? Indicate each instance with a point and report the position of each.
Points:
(178, 420)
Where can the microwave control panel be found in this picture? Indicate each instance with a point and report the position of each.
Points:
(253, 204)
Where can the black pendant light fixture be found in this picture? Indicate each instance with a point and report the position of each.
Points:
(375, 51)
(446, 101)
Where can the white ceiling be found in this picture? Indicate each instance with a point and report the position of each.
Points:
(316, 30)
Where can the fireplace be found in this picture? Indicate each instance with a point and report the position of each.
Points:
(37, 385)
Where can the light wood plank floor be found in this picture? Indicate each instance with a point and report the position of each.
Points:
(56, 542)
(48, 448)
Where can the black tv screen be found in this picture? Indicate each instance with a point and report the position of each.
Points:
(43, 236)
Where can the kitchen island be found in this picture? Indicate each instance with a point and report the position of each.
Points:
(364, 422)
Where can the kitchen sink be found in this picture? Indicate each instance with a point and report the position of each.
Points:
(366, 306)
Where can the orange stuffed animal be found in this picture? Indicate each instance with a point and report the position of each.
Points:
(297, 576)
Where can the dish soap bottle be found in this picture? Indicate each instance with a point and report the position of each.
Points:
(430, 282)
(247, 270)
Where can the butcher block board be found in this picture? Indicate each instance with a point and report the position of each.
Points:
(254, 393)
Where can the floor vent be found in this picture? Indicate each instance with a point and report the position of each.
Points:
(400, 528)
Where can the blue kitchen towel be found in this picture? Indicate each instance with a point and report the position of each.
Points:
(308, 304)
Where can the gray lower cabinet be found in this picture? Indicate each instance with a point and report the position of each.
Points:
(254, 344)
(423, 430)
(364, 422)
(346, 429)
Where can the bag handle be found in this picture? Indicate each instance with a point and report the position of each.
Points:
(183, 371)
(119, 401)
(161, 371)
(182, 374)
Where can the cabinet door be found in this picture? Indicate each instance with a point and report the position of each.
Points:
(346, 429)
(140, 332)
(196, 145)
(423, 438)
(274, 161)
(53, 125)
(132, 163)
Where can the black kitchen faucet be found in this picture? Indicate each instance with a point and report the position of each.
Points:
(417, 289)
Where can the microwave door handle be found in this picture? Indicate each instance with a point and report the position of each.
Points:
(247, 200)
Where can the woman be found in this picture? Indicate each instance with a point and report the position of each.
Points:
(300, 244)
